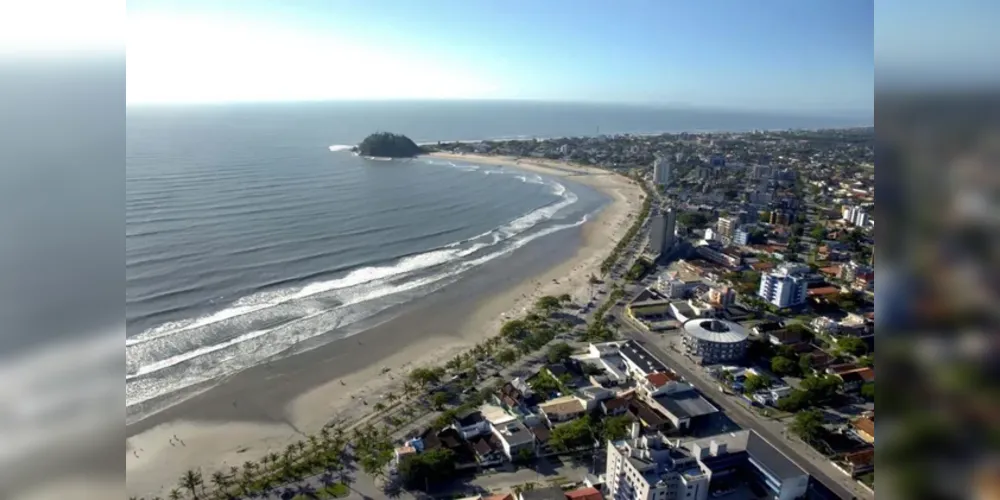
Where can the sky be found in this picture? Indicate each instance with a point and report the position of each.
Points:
(785, 55)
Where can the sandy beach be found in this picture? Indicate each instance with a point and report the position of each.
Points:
(267, 407)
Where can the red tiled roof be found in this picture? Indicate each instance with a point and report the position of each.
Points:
(585, 494)
(832, 270)
(866, 374)
(823, 290)
(863, 457)
(660, 379)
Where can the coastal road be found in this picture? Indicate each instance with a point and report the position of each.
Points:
(818, 466)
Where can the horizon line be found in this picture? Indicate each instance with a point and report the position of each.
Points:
(849, 114)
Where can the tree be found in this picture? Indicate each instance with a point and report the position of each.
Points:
(378, 407)
(524, 456)
(543, 383)
(547, 303)
(867, 361)
(805, 364)
(783, 366)
(572, 435)
(559, 352)
(220, 480)
(506, 356)
(852, 345)
(190, 481)
(431, 467)
(439, 399)
(868, 391)
(755, 383)
(820, 389)
(175, 494)
(427, 376)
(565, 298)
(514, 330)
(818, 233)
(616, 428)
(808, 425)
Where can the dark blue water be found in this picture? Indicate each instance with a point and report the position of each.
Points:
(249, 229)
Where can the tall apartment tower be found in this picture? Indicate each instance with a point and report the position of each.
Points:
(661, 171)
(726, 227)
(670, 229)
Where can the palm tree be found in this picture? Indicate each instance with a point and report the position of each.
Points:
(301, 445)
(290, 450)
(220, 480)
(175, 494)
(249, 467)
(190, 481)
(378, 407)
(273, 458)
(391, 397)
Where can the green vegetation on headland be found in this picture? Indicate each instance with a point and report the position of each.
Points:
(388, 145)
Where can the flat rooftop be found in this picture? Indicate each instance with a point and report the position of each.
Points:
(686, 404)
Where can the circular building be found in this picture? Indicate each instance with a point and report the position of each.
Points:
(715, 340)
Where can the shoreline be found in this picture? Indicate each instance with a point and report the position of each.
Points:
(265, 408)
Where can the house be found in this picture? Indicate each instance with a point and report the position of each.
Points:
(858, 462)
(550, 493)
(489, 452)
(562, 409)
(513, 394)
(592, 396)
(513, 437)
(864, 428)
(772, 395)
(542, 435)
(470, 424)
(450, 439)
(662, 383)
(854, 379)
(584, 494)
(617, 405)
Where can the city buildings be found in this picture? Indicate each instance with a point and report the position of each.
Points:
(784, 287)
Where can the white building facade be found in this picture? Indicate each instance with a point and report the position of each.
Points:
(784, 287)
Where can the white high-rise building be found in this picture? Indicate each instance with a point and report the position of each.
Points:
(652, 468)
(661, 171)
(855, 215)
(784, 287)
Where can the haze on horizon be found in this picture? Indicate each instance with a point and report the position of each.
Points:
(803, 57)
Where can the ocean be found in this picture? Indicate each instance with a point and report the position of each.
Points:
(252, 232)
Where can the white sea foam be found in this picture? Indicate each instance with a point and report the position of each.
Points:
(340, 147)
